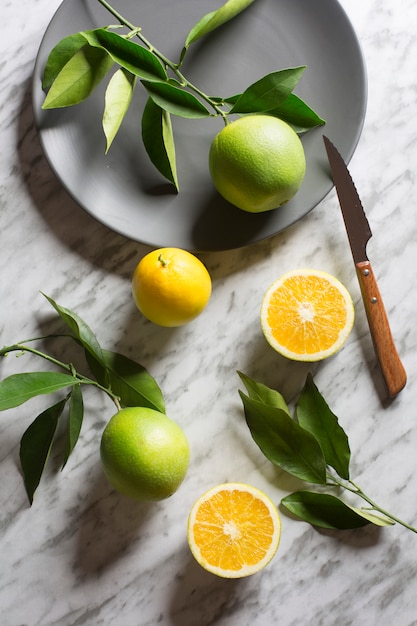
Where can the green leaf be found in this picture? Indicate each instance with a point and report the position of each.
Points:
(35, 446)
(158, 139)
(377, 520)
(81, 330)
(297, 114)
(130, 55)
(268, 92)
(175, 100)
(314, 414)
(78, 78)
(59, 57)
(75, 420)
(118, 97)
(230, 99)
(327, 511)
(284, 442)
(129, 380)
(214, 19)
(18, 388)
(258, 391)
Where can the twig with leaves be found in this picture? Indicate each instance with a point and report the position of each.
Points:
(126, 382)
(314, 448)
(79, 62)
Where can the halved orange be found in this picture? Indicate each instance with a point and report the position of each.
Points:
(307, 315)
(234, 530)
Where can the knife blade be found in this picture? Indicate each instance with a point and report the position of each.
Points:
(359, 233)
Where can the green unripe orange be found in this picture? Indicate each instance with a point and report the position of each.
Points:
(145, 454)
(257, 163)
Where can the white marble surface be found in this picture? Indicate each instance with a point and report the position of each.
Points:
(83, 555)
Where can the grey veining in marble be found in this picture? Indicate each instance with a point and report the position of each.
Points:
(84, 556)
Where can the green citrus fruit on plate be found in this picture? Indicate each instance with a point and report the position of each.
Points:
(171, 286)
(145, 454)
(234, 530)
(307, 315)
(257, 163)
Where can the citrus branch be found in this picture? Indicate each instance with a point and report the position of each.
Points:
(353, 488)
(68, 367)
(136, 31)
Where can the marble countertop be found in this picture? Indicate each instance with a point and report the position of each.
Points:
(84, 555)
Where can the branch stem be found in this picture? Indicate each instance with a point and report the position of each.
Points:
(174, 67)
(68, 367)
(353, 488)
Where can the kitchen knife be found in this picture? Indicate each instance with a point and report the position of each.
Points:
(359, 233)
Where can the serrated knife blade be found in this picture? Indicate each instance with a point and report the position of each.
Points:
(359, 233)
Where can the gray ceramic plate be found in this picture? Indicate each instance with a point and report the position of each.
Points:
(123, 191)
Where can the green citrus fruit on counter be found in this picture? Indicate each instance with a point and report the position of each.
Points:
(307, 315)
(145, 454)
(257, 163)
(171, 286)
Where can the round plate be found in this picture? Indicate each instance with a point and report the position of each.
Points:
(124, 191)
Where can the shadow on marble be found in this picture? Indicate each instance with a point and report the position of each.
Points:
(63, 216)
(268, 367)
(109, 526)
(198, 597)
(363, 538)
(134, 328)
(362, 335)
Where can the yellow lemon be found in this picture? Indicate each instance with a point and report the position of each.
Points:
(171, 286)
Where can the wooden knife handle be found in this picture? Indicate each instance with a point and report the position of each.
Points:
(392, 369)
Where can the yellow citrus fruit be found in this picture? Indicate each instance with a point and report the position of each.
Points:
(307, 315)
(171, 286)
(145, 454)
(234, 530)
(257, 163)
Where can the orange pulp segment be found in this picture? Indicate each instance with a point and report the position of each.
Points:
(234, 530)
(307, 315)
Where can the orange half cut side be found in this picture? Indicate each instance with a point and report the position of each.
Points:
(234, 530)
(307, 315)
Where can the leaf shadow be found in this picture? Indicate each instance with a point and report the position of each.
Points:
(109, 527)
(70, 223)
(198, 595)
(366, 537)
(265, 365)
